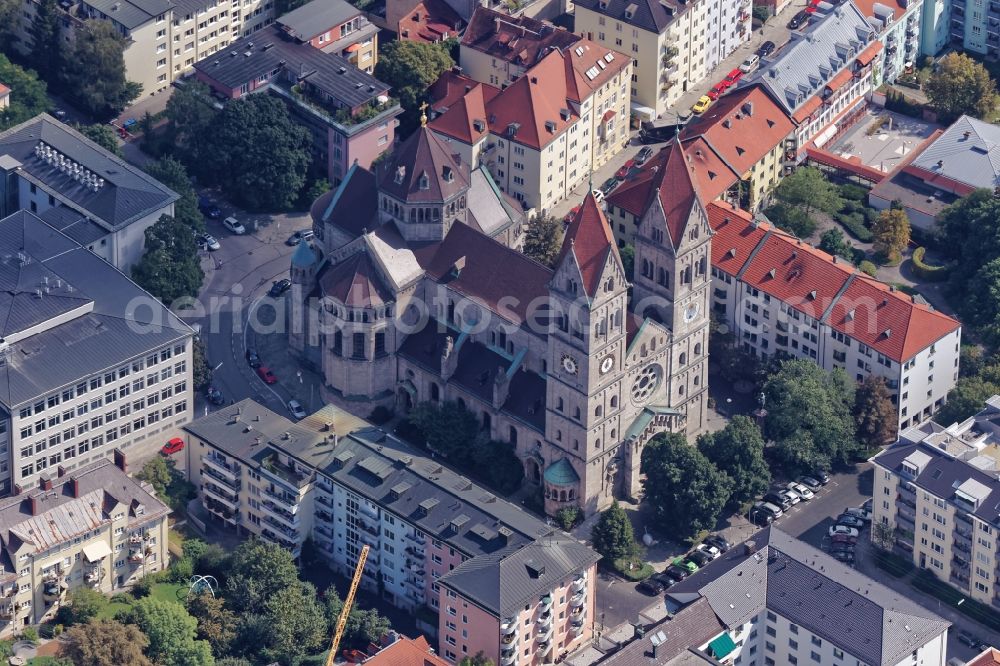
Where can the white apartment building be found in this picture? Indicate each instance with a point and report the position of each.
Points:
(777, 601)
(674, 44)
(165, 37)
(91, 363)
(344, 483)
(938, 488)
(94, 526)
(777, 294)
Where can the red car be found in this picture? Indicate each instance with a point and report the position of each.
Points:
(734, 76)
(173, 446)
(265, 373)
(717, 90)
(621, 173)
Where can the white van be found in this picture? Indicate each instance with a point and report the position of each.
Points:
(750, 64)
(234, 226)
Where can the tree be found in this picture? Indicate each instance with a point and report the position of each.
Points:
(627, 254)
(172, 173)
(10, 16)
(364, 626)
(200, 369)
(410, 68)
(834, 242)
(874, 412)
(981, 306)
(966, 399)
(258, 571)
(808, 189)
(612, 536)
(298, 625)
(83, 604)
(216, 623)
(169, 267)
(93, 73)
(809, 415)
(685, 491)
(960, 85)
(738, 450)
(448, 429)
(189, 113)
(479, 660)
(46, 42)
(256, 153)
(761, 13)
(156, 471)
(891, 232)
(103, 135)
(171, 631)
(28, 93)
(543, 239)
(104, 643)
(883, 535)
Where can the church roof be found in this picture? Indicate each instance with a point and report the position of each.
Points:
(589, 239)
(304, 255)
(355, 283)
(561, 473)
(423, 169)
(677, 192)
(352, 206)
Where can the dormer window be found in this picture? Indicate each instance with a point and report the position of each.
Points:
(425, 182)
(400, 174)
(448, 174)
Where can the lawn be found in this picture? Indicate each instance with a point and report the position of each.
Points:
(166, 591)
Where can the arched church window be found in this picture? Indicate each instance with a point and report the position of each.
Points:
(683, 359)
(614, 401)
(598, 411)
(576, 413)
(697, 349)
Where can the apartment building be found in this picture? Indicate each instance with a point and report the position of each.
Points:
(344, 483)
(778, 294)
(973, 25)
(775, 600)
(673, 43)
(334, 26)
(93, 527)
(349, 112)
(90, 361)
(527, 606)
(97, 199)
(938, 487)
(898, 24)
(165, 37)
(542, 135)
(822, 77)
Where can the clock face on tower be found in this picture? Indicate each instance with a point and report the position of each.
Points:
(690, 312)
(607, 364)
(569, 364)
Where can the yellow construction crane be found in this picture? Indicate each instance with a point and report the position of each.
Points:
(348, 602)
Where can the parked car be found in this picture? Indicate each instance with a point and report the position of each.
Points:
(801, 490)
(598, 195)
(676, 572)
(716, 91)
(651, 586)
(208, 242)
(766, 49)
(278, 287)
(860, 513)
(252, 358)
(209, 209)
(810, 483)
(701, 106)
(718, 541)
(798, 20)
(664, 580)
(844, 538)
(625, 168)
(299, 236)
(708, 549)
(295, 407)
(844, 556)
(234, 226)
(774, 510)
(974, 642)
(686, 564)
(760, 517)
(791, 496)
(214, 396)
(173, 446)
(750, 63)
(851, 521)
(609, 185)
(843, 529)
(699, 557)
(643, 155)
(777, 500)
(265, 373)
(821, 476)
(733, 77)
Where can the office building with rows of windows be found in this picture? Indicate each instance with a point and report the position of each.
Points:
(89, 362)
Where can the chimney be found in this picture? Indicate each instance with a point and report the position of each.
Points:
(60, 471)
(749, 547)
(33, 505)
(74, 484)
(44, 482)
(966, 134)
(120, 460)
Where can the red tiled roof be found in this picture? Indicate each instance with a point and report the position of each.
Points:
(734, 236)
(711, 173)
(355, 283)
(852, 164)
(521, 40)
(4, 90)
(807, 108)
(423, 154)
(636, 192)
(430, 21)
(838, 81)
(585, 56)
(407, 652)
(678, 193)
(742, 127)
(988, 657)
(464, 101)
(872, 50)
(589, 239)
(939, 180)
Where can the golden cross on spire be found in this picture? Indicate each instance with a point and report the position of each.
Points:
(423, 114)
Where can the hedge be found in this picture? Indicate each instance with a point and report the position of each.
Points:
(640, 572)
(854, 223)
(926, 271)
(853, 192)
(868, 268)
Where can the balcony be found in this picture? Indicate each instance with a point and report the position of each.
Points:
(217, 465)
(418, 539)
(509, 639)
(369, 511)
(509, 626)
(577, 599)
(290, 504)
(289, 533)
(323, 530)
(544, 647)
(963, 518)
(577, 627)
(272, 467)
(324, 516)
(221, 479)
(415, 553)
(546, 601)
(544, 621)
(220, 510)
(94, 576)
(285, 518)
(54, 589)
(508, 657)
(903, 512)
(274, 538)
(579, 584)
(994, 9)
(220, 496)
(325, 500)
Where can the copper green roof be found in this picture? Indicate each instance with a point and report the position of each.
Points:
(304, 255)
(561, 473)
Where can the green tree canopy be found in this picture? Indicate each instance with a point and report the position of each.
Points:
(104, 643)
(256, 153)
(612, 536)
(298, 624)
(216, 623)
(28, 95)
(685, 491)
(448, 429)
(258, 571)
(10, 16)
(171, 631)
(808, 189)
(543, 239)
(364, 626)
(834, 242)
(93, 71)
(82, 605)
(874, 412)
(479, 660)
(809, 415)
(966, 399)
(169, 267)
(172, 173)
(891, 231)
(410, 67)
(738, 450)
(189, 114)
(103, 135)
(960, 85)
(46, 40)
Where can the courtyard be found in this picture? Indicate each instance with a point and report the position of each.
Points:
(885, 147)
